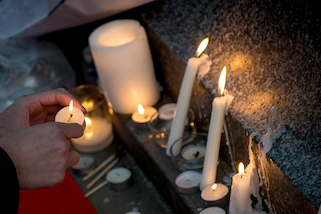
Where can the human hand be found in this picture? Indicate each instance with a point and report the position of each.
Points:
(41, 153)
(35, 109)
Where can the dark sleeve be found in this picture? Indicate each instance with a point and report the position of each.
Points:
(9, 185)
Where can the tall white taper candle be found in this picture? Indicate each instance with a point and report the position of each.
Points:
(184, 97)
(214, 135)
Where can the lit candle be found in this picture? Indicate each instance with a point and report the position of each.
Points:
(214, 135)
(70, 114)
(188, 182)
(192, 152)
(143, 115)
(98, 135)
(124, 64)
(215, 195)
(183, 101)
(240, 202)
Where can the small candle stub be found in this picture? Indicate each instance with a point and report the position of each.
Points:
(188, 182)
(143, 114)
(192, 152)
(213, 210)
(167, 111)
(84, 166)
(215, 195)
(119, 178)
(70, 114)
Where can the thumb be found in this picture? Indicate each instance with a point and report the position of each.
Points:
(72, 130)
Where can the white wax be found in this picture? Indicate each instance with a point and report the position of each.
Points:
(182, 108)
(97, 136)
(118, 175)
(192, 152)
(144, 118)
(240, 202)
(188, 179)
(66, 116)
(85, 162)
(124, 64)
(213, 210)
(167, 111)
(213, 142)
(208, 194)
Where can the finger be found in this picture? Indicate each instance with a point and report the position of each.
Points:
(54, 97)
(72, 130)
(73, 158)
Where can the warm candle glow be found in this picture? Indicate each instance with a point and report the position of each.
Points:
(241, 169)
(202, 47)
(141, 109)
(222, 80)
(88, 104)
(71, 105)
(88, 131)
(214, 187)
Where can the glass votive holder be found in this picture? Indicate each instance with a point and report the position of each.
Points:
(98, 133)
(192, 153)
(161, 122)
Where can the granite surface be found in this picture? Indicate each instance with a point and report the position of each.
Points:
(272, 53)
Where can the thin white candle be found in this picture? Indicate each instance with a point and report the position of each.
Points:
(240, 202)
(214, 135)
(183, 101)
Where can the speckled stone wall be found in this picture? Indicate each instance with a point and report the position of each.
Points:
(272, 53)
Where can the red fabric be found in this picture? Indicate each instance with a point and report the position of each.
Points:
(65, 198)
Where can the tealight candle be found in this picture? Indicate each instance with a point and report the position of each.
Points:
(184, 97)
(84, 165)
(98, 135)
(143, 115)
(70, 114)
(215, 195)
(192, 152)
(214, 135)
(188, 182)
(167, 111)
(240, 193)
(119, 178)
(213, 210)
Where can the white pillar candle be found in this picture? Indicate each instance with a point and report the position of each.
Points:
(70, 114)
(183, 101)
(143, 115)
(98, 135)
(214, 135)
(215, 195)
(124, 64)
(240, 202)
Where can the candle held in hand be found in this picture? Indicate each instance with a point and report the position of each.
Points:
(184, 97)
(70, 114)
(240, 202)
(214, 136)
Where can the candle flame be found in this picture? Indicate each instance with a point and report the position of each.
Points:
(88, 130)
(241, 169)
(141, 109)
(214, 187)
(222, 80)
(202, 47)
(71, 105)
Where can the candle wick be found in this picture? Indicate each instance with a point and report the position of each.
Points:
(69, 118)
(196, 154)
